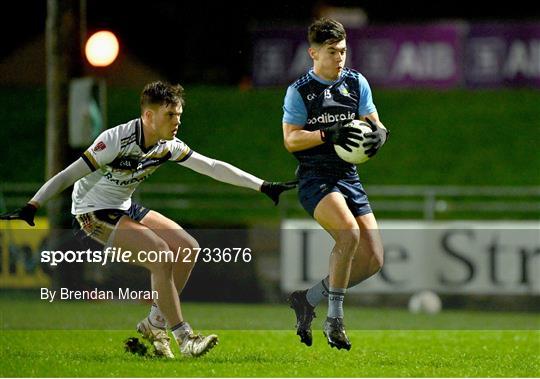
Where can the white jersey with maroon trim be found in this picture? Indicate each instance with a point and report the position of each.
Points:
(120, 163)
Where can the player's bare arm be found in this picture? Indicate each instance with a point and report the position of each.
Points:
(295, 138)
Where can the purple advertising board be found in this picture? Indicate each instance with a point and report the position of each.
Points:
(434, 56)
(503, 55)
(387, 55)
(279, 56)
(405, 56)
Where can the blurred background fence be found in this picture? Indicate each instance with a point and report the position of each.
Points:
(222, 204)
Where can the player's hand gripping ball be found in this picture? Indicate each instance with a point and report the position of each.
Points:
(357, 154)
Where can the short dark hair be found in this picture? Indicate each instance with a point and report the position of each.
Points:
(162, 93)
(326, 30)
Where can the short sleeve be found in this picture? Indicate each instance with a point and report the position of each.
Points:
(294, 110)
(104, 150)
(179, 150)
(365, 105)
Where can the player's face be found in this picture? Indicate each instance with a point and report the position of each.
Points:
(329, 59)
(167, 120)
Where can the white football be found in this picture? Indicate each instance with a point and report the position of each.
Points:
(358, 154)
(425, 302)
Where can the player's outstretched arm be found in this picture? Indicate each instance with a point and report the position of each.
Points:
(227, 173)
(51, 188)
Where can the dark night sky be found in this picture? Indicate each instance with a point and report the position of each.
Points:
(202, 41)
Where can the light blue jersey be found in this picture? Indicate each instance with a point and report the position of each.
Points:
(313, 104)
(295, 110)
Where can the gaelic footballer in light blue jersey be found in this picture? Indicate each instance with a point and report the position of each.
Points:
(316, 111)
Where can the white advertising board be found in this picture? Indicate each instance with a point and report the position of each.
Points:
(449, 257)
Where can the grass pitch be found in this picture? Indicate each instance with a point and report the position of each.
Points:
(259, 341)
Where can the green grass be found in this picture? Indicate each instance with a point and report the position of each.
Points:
(259, 341)
(278, 354)
(120, 315)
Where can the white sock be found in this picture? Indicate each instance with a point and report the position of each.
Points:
(181, 331)
(318, 292)
(335, 302)
(156, 318)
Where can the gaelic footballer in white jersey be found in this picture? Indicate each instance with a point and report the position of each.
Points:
(119, 163)
(105, 178)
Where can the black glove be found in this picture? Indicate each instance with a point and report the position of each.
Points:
(274, 189)
(344, 136)
(375, 139)
(25, 213)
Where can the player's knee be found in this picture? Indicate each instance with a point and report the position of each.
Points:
(349, 239)
(346, 246)
(162, 246)
(160, 259)
(377, 261)
(189, 250)
(191, 244)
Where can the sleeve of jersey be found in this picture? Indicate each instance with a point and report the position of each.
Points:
(103, 151)
(222, 171)
(61, 181)
(294, 109)
(365, 105)
(179, 151)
